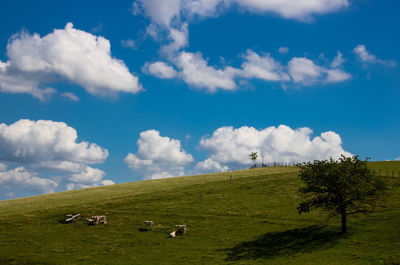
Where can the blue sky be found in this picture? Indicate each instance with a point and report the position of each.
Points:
(154, 91)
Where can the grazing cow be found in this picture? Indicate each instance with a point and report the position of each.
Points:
(102, 219)
(181, 229)
(172, 234)
(96, 220)
(149, 224)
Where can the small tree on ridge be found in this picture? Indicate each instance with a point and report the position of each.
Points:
(253, 156)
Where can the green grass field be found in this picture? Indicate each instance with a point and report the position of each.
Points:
(251, 221)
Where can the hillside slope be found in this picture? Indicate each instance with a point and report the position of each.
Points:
(251, 221)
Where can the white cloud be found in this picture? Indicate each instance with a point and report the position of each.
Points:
(88, 176)
(196, 72)
(39, 141)
(173, 15)
(169, 11)
(179, 39)
(364, 56)
(70, 54)
(160, 12)
(209, 166)
(336, 75)
(262, 67)
(70, 96)
(107, 182)
(338, 60)
(303, 70)
(171, 18)
(299, 9)
(27, 180)
(65, 166)
(231, 147)
(77, 186)
(203, 8)
(14, 81)
(306, 72)
(49, 146)
(158, 156)
(160, 70)
(3, 167)
(283, 50)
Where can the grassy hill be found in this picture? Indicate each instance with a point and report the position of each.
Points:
(251, 221)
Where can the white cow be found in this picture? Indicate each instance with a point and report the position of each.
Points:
(149, 224)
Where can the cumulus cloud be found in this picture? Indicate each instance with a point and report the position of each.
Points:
(209, 166)
(173, 15)
(305, 71)
(67, 54)
(65, 166)
(338, 60)
(262, 67)
(158, 156)
(89, 177)
(364, 56)
(336, 75)
(78, 186)
(178, 38)
(169, 11)
(196, 72)
(230, 147)
(21, 177)
(106, 182)
(160, 12)
(15, 81)
(43, 147)
(300, 9)
(170, 19)
(160, 70)
(27, 141)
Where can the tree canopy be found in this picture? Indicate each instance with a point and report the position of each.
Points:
(253, 156)
(343, 187)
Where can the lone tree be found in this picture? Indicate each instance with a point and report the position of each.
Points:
(344, 187)
(253, 156)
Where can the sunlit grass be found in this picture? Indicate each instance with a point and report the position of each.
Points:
(251, 221)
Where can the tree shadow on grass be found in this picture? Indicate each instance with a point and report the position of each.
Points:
(284, 243)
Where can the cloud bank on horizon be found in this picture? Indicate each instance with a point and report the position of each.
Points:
(30, 149)
(229, 148)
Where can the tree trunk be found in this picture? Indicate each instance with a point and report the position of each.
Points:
(344, 226)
